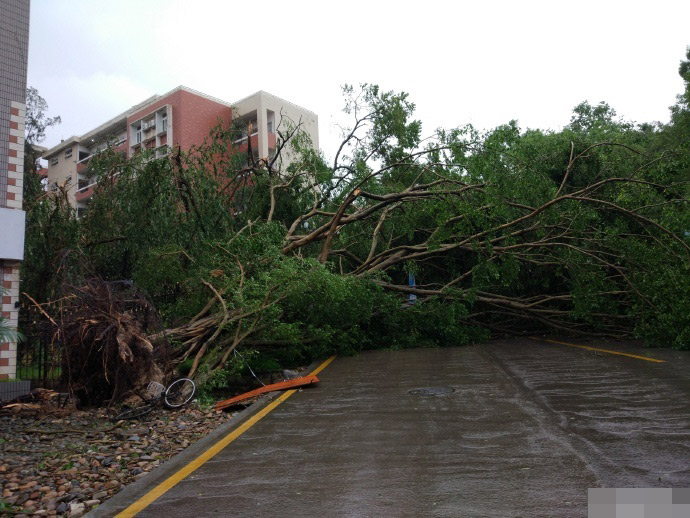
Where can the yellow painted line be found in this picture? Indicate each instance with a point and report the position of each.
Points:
(323, 366)
(187, 470)
(599, 350)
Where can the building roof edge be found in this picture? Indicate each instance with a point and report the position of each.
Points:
(74, 139)
(264, 92)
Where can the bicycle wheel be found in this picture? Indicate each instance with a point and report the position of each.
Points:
(179, 393)
(132, 413)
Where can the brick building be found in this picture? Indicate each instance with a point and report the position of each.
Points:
(182, 117)
(14, 51)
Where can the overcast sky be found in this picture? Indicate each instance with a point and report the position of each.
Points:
(461, 62)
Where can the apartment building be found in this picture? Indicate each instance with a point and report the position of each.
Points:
(180, 118)
(14, 52)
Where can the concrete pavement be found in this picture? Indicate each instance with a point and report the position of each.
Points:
(523, 428)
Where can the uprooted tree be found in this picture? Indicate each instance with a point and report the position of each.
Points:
(584, 230)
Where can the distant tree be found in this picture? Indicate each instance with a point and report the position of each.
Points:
(37, 120)
(587, 117)
(680, 112)
(51, 225)
(36, 124)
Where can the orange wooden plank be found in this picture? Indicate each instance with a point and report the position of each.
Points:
(283, 385)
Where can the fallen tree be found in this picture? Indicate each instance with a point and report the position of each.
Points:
(578, 231)
(509, 231)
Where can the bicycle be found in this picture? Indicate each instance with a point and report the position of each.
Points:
(179, 393)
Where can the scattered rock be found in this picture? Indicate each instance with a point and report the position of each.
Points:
(112, 484)
(76, 509)
(132, 431)
(67, 474)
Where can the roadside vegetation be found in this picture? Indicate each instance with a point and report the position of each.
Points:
(291, 257)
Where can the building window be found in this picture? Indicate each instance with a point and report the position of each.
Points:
(68, 152)
(164, 123)
(137, 139)
(83, 155)
(270, 126)
(54, 161)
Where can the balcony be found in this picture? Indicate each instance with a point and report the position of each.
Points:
(242, 144)
(244, 138)
(83, 166)
(85, 192)
(149, 125)
(118, 145)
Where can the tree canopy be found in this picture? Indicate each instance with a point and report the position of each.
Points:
(583, 230)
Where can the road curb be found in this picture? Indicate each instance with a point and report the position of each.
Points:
(139, 488)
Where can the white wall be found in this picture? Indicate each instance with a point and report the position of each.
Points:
(12, 223)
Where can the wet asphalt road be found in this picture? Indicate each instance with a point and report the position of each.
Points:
(528, 428)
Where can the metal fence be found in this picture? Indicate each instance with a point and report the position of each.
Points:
(12, 389)
(39, 354)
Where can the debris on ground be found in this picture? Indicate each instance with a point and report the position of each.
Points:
(63, 462)
(37, 394)
(283, 385)
(28, 402)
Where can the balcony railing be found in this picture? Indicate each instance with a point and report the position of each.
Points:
(83, 187)
(245, 137)
(85, 192)
(118, 142)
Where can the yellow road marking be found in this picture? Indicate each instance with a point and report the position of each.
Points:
(323, 366)
(599, 350)
(187, 470)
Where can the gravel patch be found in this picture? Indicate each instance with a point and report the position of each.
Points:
(62, 462)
